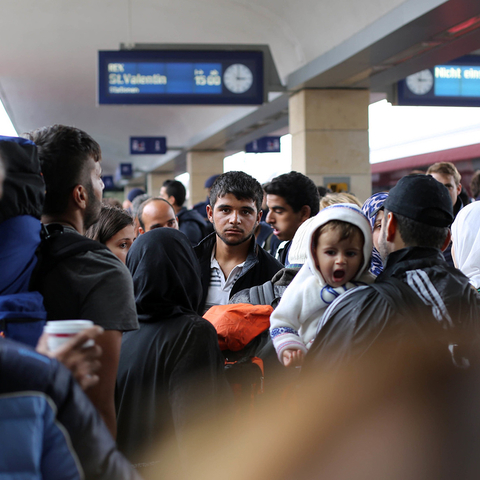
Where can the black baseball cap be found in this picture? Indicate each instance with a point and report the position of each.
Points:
(421, 198)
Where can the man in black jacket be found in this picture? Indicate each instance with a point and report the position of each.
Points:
(416, 291)
(229, 258)
(190, 222)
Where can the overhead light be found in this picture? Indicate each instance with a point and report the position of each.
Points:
(464, 27)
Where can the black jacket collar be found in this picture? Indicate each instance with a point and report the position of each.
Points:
(411, 258)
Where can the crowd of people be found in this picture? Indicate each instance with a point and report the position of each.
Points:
(325, 287)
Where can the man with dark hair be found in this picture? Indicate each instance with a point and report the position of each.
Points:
(292, 198)
(190, 222)
(132, 195)
(229, 258)
(447, 174)
(86, 281)
(154, 213)
(415, 291)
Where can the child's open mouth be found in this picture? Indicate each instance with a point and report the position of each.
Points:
(338, 275)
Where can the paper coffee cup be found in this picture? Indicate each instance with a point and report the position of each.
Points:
(61, 331)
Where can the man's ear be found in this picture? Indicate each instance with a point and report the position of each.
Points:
(141, 231)
(210, 213)
(79, 196)
(305, 212)
(391, 227)
(446, 243)
(459, 189)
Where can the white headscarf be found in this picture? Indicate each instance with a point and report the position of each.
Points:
(466, 242)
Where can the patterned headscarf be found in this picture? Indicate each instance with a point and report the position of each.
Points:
(370, 209)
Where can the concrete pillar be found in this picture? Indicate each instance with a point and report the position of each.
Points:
(155, 182)
(330, 137)
(200, 166)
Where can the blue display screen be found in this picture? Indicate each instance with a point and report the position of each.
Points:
(180, 77)
(455, 83)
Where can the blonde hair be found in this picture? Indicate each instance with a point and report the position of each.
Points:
(446, 168)
(342, 197)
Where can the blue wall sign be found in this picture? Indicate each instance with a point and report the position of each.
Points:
(148, 145)
(108, 182)
(264, 145)
(456, 83)
(123, 171)
(180, 77)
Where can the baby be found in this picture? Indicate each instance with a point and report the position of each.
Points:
(338, 258)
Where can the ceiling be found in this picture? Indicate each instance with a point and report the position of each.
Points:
(49, 58)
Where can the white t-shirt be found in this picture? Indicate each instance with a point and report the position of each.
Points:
(220, 287)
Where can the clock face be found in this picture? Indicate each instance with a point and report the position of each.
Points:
(238, 78)
(420, 83)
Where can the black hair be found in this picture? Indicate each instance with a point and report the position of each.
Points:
(239, 184)
(145, 203)
(175, 189)
(63, 152)
(417, 234)
(297, 190)
(110, 222)
(322, 191)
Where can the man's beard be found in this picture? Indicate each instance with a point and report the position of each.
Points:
(92, 210)
(241, 240)
(382, 245)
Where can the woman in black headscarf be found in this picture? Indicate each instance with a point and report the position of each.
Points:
(171, 373)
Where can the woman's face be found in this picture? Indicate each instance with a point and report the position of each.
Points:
(121, 242)
(376, 228)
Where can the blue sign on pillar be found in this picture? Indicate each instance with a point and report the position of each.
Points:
(148, 145)
(126, 170)
(108, 182)
(123, 171)
(264, 145)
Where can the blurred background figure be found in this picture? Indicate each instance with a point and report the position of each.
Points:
(190, 222)
(201, 207)
(132, 194)
(475, 186)
(342, 197)
(136, 204)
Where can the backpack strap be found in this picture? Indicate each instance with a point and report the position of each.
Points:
(262, 294)
(268, 293)
(256, 295)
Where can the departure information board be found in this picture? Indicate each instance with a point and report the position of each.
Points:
(180, 77)
(455, 83)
